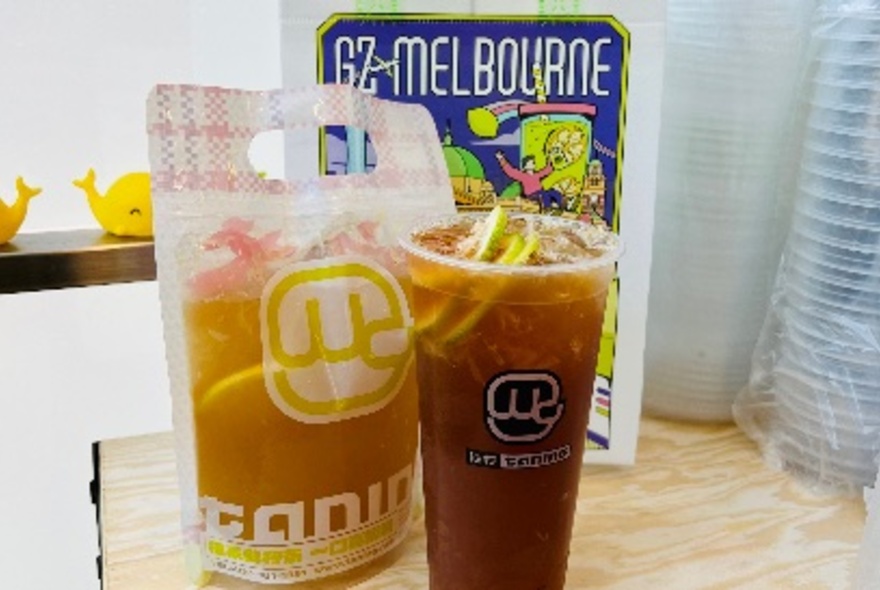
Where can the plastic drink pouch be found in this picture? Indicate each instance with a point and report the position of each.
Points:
(288, 330)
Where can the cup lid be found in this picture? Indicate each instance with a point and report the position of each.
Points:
(608, 246)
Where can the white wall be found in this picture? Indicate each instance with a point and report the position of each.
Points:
(80, 365)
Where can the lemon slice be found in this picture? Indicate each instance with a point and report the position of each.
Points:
(197, 574)
(515, 250)
(462, 325)
(452, 322)
(223, 387)
(510, 246)
(531, 243)
(493, 231)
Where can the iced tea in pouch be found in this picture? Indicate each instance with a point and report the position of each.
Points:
(289, 335)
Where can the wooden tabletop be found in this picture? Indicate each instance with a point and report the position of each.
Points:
(699, 510)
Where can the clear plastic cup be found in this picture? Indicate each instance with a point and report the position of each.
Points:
(769, 28)
(713, 407)
(833, 308)
(840, 125)
(681, 178)
(856, 100)
(841, 145)
(708, 285)
(815, 166)
(696, 339)
(721, 355)
(834, 183)
(848, 344)
(825, 268)
(865, 232)
(840, 209)
(720, 154)
(685, 398)
(849, 442)
(716, 179)
(864, 297)
(825, 351)
(691, 51)
(684, 386)
(810, 403)
(857, 112)
(703, 309)
(841, 54)
(832, 76)
(687, 130)
(836, 231)
(719, 364)
(823, 331)
(828, 460)
(809, 249)
(854, 206)
(842, 214)
(812, 280)
(698, 107)
(836, 377)
(830, 408)
(528, 337)
(839, 408)
(852, 165)
(732, 222)
(823, 204)
(848, 51)
(727, 222)
(820, 470)
(860, 25)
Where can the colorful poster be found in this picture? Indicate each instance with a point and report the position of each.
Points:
(531, 114)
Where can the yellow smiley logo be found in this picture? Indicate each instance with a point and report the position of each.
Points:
(337, 338)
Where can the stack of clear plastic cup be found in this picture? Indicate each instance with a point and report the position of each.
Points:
(825, 369)
(732, 74)
(867, 570)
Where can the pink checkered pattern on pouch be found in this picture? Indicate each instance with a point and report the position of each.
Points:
(200, 136)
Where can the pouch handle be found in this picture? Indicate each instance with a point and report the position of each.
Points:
(200, 136)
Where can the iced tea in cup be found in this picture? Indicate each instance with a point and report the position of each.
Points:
(508, 314)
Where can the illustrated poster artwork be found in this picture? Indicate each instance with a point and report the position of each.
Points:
(530, 113)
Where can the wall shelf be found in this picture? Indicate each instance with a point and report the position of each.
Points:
(73, 258)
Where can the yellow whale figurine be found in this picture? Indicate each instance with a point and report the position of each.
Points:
(126, 210)
(11, 217)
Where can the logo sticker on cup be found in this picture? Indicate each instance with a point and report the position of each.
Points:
(337, 338)
(523, 407)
